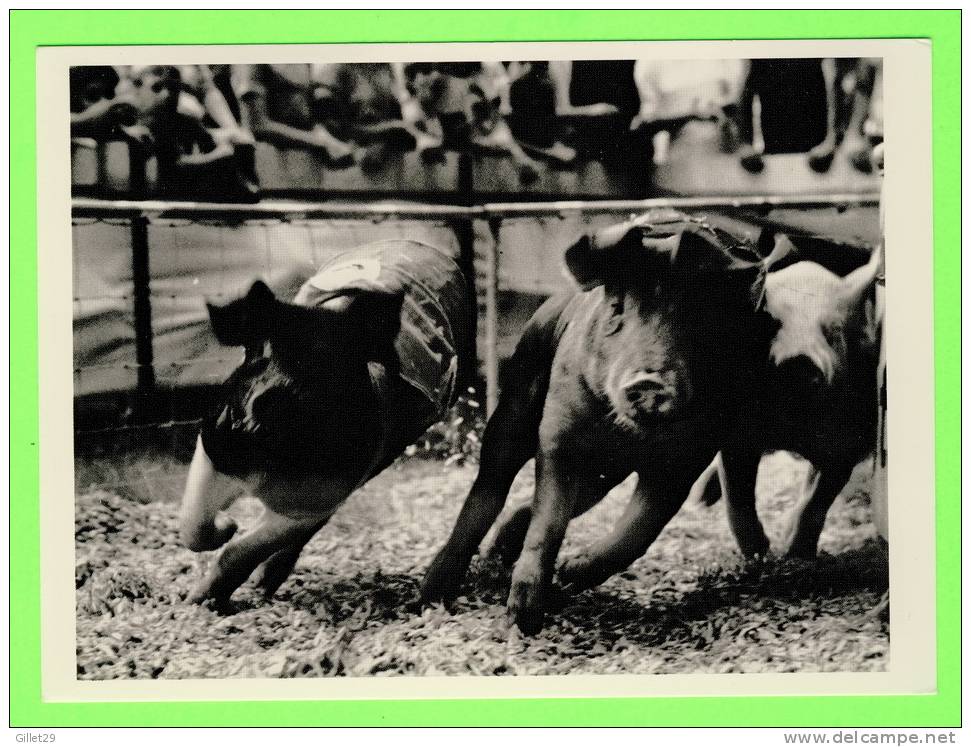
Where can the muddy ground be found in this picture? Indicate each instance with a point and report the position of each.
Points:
(690, 605)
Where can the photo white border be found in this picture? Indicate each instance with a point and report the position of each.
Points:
(910, 351)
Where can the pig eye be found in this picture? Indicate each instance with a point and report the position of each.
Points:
(614, 323)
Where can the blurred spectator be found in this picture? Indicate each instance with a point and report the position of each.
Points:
(598, 99)
(532, 113)
(673, 93)
(204, 120)
(96, 109)
(864, 131)
(369, 103)
(467, 99)
(202, 98)
(789, 106)
(193, 162)
(280, 107)
(206, 95)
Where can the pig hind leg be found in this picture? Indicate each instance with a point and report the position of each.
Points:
(511, 533)
(557, 494)
(277, 568)
(509, 442)
(811, 516)
(740, 470)
(648, 512)
(240, 557)
(273, 571)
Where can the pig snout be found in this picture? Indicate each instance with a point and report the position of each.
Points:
(201, 527)
(649, 391)
(799, 371)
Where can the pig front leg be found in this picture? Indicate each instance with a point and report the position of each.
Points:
(740, 469)
(821, 491)
(273, 571)
(240, 557)
(508, 443)
(511, 533)
(201, 526)
(650, 508)
(556, 495)
(447, 571)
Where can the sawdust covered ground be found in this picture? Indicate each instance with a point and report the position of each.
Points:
(690, 605)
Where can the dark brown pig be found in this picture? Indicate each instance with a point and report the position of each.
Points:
(332, 388)
(641, 371)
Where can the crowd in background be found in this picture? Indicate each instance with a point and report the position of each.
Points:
(202, 122)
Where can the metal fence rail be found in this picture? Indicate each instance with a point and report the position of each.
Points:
(480, 261)
(294, 210)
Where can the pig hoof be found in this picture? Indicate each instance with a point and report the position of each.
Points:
(203, 539)
(529, 621)
(524, 606)
(268, 582)
(434, 591)
(576, 575)
(210, 594)
(219, 606)
(443, 580)
(755, 550)
(798, 552)
(203, 595)
(272, 573)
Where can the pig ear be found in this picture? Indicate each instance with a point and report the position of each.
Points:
(697, 254)
(586, 265)
(694, 252)
(782, 250)
(245, 321)
(589, 258)
(861, 280)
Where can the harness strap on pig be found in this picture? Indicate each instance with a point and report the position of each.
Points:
(433, 311)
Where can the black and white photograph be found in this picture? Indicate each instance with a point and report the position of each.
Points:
(480, 367)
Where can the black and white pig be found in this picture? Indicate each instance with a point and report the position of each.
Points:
(332, 388)
(640, 371)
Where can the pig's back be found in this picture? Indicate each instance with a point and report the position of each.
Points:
(435, 335)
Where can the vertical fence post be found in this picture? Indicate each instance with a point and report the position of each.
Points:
(464, 230)
(141, 280)
(491, 351)
(137, 170)
(142, 304)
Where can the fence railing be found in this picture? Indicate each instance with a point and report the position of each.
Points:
(478, 231)
(287, 209)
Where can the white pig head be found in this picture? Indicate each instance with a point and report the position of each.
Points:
(826, 322)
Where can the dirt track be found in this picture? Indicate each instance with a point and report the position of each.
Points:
(688, 606)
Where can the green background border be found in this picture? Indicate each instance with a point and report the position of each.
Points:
(31, 29)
